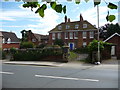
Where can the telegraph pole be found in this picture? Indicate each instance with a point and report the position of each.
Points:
(98, 35)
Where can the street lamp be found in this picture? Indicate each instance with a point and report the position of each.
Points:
(98, 36)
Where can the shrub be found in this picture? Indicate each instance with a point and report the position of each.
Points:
(81, 50)
(27, 45)
(13, 50)
(30, 54)
(59, 42)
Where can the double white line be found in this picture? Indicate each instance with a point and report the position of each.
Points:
(67, 78)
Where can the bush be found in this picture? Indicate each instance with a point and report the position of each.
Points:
(27, 45)
(59, 42)
(24, 55)
(41, 46)
(13, 50)
(81, 50)
(3, 55)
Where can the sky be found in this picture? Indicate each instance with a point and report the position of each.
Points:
(15, 18)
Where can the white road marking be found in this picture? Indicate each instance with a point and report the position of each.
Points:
(66, 78)
(6, 73)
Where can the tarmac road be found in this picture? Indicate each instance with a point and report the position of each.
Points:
(28, 76)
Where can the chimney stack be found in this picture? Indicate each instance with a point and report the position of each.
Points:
(65, 19)
(68, 19)
(81, 18)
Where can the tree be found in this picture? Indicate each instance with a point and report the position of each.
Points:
(108, 29)
(59, 42)
(55, 5)
(113, 28)
(25, 35)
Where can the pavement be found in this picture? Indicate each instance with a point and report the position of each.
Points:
(75, 64)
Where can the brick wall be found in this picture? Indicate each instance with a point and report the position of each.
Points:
(116, 40)
(15, 45)
(78, 42)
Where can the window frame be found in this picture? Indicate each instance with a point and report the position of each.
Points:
(53, 36)
(76, 26)
(71, 35)
(75, 37)
(91, 33)
(84, 34)
(84, 25)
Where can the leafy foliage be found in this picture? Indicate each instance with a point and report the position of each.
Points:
(27, 45)
(59, 42)
(59, 7)
(112, 6)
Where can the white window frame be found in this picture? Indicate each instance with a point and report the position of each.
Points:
(9, 41)
(33, 40)
(84, 25)
(53, 36)
(3, 40)
(75, 37)
(66, 35)
(91, 34)
(84, 34)
(59, 35)
(71, 35)
(76, 26)
(67, 26)
(84, 44)
(59, 27)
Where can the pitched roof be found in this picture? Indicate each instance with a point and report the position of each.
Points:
(72, 26)
(111, 36)
(11, 35)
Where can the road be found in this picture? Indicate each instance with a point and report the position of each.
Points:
(26, 76)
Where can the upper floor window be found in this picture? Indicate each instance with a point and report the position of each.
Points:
(3, 40)
(84, 34)
(59, 35)
(67, 26)
(59, 27)
(76, 26)
(75, 35)
(92, 34)
(84, 25)
(66, 35)
(33, 40)
(9, 40)
(53, 36)
(71, 35)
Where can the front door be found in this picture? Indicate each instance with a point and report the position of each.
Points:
(71, 45)
(113, 50)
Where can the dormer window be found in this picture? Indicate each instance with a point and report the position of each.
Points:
(9, 40)
(67, 26)
(59, 27)
(84, 25)
(76, 26)
(3, 40)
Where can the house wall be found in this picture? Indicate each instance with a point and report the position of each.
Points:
(78, 42)
(8, 46)
(116, 40)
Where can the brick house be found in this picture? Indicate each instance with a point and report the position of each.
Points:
(115, 40)
(75, 34)
(37, 39)
(0, 40)
(9, 40)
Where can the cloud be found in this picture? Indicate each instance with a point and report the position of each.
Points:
(91, 15)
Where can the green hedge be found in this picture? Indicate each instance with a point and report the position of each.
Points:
(36, 55)
(81, 50)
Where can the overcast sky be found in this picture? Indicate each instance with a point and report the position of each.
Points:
(15, 18)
